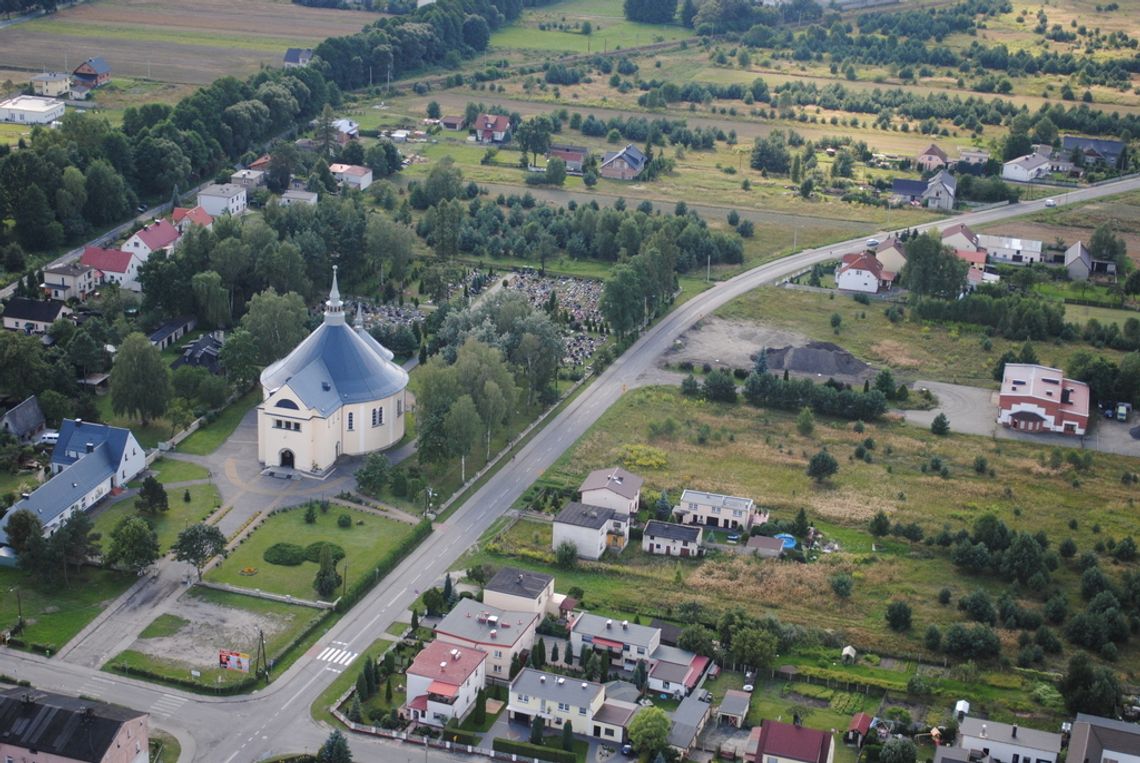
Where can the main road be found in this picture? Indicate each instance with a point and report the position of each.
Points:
(276, 719)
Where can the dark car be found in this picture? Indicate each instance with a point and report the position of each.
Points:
(627, 749)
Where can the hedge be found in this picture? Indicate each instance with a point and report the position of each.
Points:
(533, 750)
(386, 565)
(459, 736)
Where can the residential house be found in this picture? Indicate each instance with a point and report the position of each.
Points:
(975, 259)
(715, 510)
(905, 191)
(453, 123)
(88, 463)
(346, 130)
(51, 84)
(92, 73)
(71, 281)
(624, 641)
(249, 179)
(24, 421)
(574, 156)
(1006, 743)
(492, 128)
(560, 700)
(1102, 740)
(590, 529)
(858, 730)
(1017, 251)
(114, 266)
(733, 709)
(933, 158)
(891, 254)
(1080, 263)
(222, 199)
(295, 196)
(675, 671)
(173, 330)
(973, 156)
(959, 236)
(522, 591)
(976, 277)
(31, 109)
(863, 272)
(158, 234)
(1026, 169)
(352, 175)
(262, 163)
(184, 217)
(33, 316)
(614, 488)
(297, 57)
(776, 742)
(443, 682)
(671, 539)
(689, 721)
(399, 136)
(502, 634)
(765, 546)
(55, 728)
(1094, 150)
(625, 164)
(1037, 398)
(204, 352)
(941, 191)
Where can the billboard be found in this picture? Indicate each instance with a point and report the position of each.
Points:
(228, 660)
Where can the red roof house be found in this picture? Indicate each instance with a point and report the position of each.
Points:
(976, 259)
(863, 272)
(442, 682)
(261, 163)
(932, 159)
(788, 742)
(492, 128)
(857, 730)
(160, 234)
(184, 217)
(113, 266)
(1040, 399)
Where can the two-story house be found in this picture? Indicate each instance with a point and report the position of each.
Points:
(1010, 249)
(561, 700)
(503, 635)
(776, 742)
(492, 128)
(54, 728)
(625, 642)
(442, 683)
(614, 488)
(1007, 743)
(24, 421)
(672, 539)
(71, 281)
(155, 236)
(352, 175)
(591, 529)
(521, 591)
(715, 510)
(626, 164)
(863, 271)
(114, 266)
(1102, 740)
(223, 199)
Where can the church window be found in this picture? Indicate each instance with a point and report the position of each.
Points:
(399, 407)
(350, 422)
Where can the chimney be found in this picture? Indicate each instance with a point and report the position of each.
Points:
(494, 633)
(443, 667)
(983, 731)
(561, 680)
(89, 447)
(520, 578)
(585, 685)
(625, 625)
(609, 624)
(1014, 731)
(78, 423)
(542, 679)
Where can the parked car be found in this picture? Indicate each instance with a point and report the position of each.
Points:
(1050, 202)
(49, 437)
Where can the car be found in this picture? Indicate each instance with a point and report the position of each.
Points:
(734, 538)
(50, 437)
(142, 207)
(872, 243)
(627, 750)
(1050, 202)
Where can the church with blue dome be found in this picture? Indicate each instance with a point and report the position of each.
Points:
(337, 393)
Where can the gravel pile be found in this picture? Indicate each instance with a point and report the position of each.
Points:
(819, 359)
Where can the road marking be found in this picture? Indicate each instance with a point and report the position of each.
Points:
(167, 705)
(290, 700)
(337, 656)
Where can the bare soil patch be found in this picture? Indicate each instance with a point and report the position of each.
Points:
(730, 343)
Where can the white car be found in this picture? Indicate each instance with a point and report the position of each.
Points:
(49, 437)
(1050, 202)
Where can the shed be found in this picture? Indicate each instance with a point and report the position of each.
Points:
(849, 654)
(734, 708)
(858, 729)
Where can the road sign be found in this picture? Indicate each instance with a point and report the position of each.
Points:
(195, 674)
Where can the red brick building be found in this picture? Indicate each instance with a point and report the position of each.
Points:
(1040, 399)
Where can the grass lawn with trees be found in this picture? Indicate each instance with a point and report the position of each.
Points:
(368, 539)
(53, 617)
(207, 439)
(204, 499)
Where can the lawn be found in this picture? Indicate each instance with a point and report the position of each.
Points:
(203, 500)
(320, 707)
(610, 29)
(207, 439)
(370, 539)
(164, 625)
(148, 436)
(164, 748)
(52, 617)
(169, 470)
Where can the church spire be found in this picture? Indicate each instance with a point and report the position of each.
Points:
(358, 324)
(334, 308)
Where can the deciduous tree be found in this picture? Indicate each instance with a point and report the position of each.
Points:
(140, 380)
(133, 545)
(197, 544)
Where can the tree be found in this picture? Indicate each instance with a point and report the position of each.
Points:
(198, 544)
(720, 387)
(537, 729)
(941, 425)
(649, 730)
(275, 322)
(479, 713)
(533, 136)
(805, 421)
(152, 497)
(238, 358)
(880, 524)
(933, 269)
(566, 555)
(568, 736)
(335, 749)
(373, 476)
(463, 426)
(842, 584)
(133, 545)
(555, 171)
(23, 525)
(898, 750)
(898, 616)
(698, 639)
(753, 647)
(688, 12)
(140, 380)
(1090, 689)
(328, 579)
(1106, 245)
(433, 110)
(822, 466)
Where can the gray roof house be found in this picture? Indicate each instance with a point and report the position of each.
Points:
(475, 621)
(688, 720)
(1080, 263)
(297, 56)
(625, 164)
(516, 582)
(1094, 150)
(734, 707)
(1096, 740)
(70, 728)
(24, 421)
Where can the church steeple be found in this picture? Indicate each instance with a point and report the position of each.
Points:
(358, 324)
(334, 308)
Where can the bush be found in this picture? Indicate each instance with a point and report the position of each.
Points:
(313, 551)
(898, 616)
(941, 425)
(344, 521)
(285, 554)
(533, 751)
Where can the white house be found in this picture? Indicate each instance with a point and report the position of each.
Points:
(1037, 398)
(248, 178)
(671, 539)
(521, 590)
(1081, 264)
(1008, 743)
(33, 316)
(31, 110)
(1025, 169)
(296, 196)
(891, 255)
(560, 700)
(222, 199)
(715, 510)
(861, 271)
(675, 671)
(114, 266)
(184, 218)
(1017, 251)
(591, 529)
(442, 683)
(156, 235)
(613, 488)
(940, 191)
(352, 175)
(625, 642)
(500, 633)
(973, 156)
(337, 393)
(72, 280)
(959, 236)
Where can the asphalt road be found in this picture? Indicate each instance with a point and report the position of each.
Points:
(276, 719)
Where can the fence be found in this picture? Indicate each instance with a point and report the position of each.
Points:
(258, 593)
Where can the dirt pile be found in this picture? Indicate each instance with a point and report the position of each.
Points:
(819, 359)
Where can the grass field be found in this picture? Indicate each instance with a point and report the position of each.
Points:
(1025, 492)
(164, 747)
(370, 539)
(610, 29)
(53, 617)
(207, 439)
(203, 500)
(168, 470)
(163, 625)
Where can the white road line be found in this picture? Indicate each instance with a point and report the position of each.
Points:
(290, 700)
(324, 655)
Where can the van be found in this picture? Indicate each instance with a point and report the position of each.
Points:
(49, 438)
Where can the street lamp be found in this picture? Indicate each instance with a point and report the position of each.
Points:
(19, 608)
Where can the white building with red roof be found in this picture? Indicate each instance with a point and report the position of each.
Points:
(442, 683)
(1040, 399)
(159, 234)
(184, 217)
(492, 128)
(862, 272)
(352, 175)
(114, 266)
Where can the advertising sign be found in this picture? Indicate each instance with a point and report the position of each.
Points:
(228, 660)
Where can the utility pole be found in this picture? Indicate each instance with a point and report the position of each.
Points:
(708, 270)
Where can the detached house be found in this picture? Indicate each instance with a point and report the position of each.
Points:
(891, 255)
(1094, 150)
(931, 159)
(614, 488)
(715, 510)
(503, 635)
(1080, 263)
(492, 128)
(591, 529)
(71, 281)
(92, 73)
(863, 272)
(626, 164)
(442, 683)
(159, 234)
(222, 199)
(973, 156)
(1007, 743)
(936, 193)
(186, 217)
(33, 316)
(522, 591)
(296, 57)
(671, 539)
(1102, 740)
(55, 728)
(959, 236)
(453, 123)
(574, 156)
(1040, 399)
(624, 641)
(560, 701)
(1016, 251)
(1026, 169)
(114, 266)
(203, 352)
(24, 421)
(51, 84)
(352, 175)
(775, 742)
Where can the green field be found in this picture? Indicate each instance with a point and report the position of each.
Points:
(168, 470)
(369, 540)
(207, 439)
(204, 499)
(610, 29)
(53, 617)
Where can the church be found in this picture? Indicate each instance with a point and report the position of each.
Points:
(338, 392)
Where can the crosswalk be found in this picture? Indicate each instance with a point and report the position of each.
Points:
(94, 687)
(167, 705)
(337, 655)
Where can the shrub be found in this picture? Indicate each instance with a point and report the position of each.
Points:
(313, 551)
(898, 616)
(284, 554)
(842, 584)
(344, 521)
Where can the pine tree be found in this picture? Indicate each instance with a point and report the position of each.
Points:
(554, 653)
(479, 714)
(388, 689)
(415, 620)
(537, 726)
(540, 652)
(362, 686)
(568, 736)
(447, 588)
(355, 714)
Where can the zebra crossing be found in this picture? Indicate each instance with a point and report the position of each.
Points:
(337, 654)
(94, 687)
(167, 705)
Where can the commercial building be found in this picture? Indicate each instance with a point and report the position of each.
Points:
(1040, 399)
(31, 110)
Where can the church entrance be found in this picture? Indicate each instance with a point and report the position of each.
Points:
(287, 459)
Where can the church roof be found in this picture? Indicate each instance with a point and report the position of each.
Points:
(337, 364)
